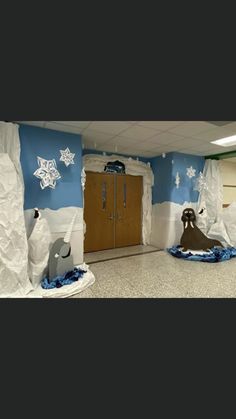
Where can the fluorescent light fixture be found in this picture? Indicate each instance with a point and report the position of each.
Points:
(226, 142)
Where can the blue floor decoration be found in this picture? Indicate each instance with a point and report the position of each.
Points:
(66, 279)
(217, 254)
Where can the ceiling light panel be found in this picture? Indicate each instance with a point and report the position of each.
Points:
(226, 142)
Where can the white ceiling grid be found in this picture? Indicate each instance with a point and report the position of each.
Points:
(146, 138)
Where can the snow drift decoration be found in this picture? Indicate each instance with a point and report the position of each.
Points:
(47, 173)
(214, 255)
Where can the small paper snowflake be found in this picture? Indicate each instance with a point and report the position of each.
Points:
(190, 172)
(172, 161)
(83, 178)
(47, 172)
(177, 180)
(200, 183)
(67, 157)
(163, 155)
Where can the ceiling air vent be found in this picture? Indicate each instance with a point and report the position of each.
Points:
(220, 123)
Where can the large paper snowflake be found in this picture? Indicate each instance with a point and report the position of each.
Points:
(47, 172)
(67, 157)
(191, 172)
(177, 180)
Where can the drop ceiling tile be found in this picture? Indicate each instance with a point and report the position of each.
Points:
(165, 138)
(110, 148)
(139, 133)
(190, 128)
(231, 125)
(203, 146)
(124, 141)
(94, 136)
(144, 146)
(64, 128)
(165, 148)
(214, 134)
(188, 143)
(192, 152)
(109, 127)
(160, 125)
(79, 124)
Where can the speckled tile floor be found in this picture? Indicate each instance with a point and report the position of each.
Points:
(160, 275)
(118, 252)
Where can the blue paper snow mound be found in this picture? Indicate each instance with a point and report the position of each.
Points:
(66, 279)
(217, 254)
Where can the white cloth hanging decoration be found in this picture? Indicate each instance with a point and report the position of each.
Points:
(47, 172)
(67, 157)
(190, 172)
(177, 180)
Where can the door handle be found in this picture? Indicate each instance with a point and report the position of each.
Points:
(111, 217)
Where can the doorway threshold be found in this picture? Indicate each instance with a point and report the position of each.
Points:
(118, 253)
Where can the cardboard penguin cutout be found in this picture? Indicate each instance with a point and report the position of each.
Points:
(192, 237)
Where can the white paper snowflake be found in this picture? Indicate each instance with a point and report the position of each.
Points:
(177, 180)
(83, 178)
(47, 172)
(172, 161)
(190, 172)
(67, 157)
(200, 183)
(163, 155)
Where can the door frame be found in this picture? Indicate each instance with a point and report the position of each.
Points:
(97, 162)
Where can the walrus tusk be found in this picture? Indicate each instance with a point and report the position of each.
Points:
(191, 223)
(186, 224)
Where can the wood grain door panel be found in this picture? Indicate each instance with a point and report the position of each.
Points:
(129, 191)
(99, 211)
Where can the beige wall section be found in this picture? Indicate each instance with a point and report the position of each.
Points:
(228, 171)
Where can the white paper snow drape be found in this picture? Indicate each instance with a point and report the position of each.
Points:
(14, 281)
(10, 144)
(96, 163)
(210, 199)
(216, 222)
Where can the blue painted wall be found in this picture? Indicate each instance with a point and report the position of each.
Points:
(165, 170)
(162, 170)
(47, 144)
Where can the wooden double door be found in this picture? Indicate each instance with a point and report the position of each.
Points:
(112, 210)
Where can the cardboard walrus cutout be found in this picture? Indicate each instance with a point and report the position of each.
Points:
(193, 238)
